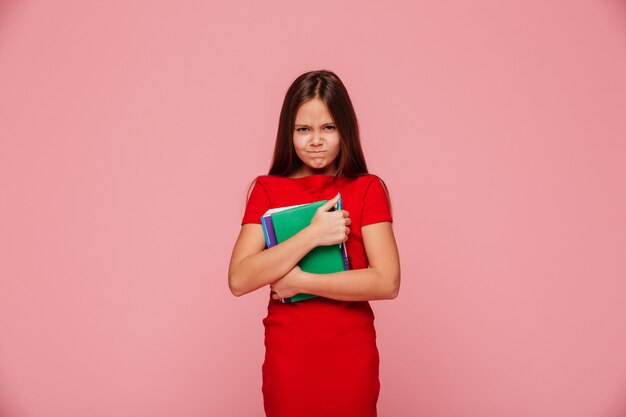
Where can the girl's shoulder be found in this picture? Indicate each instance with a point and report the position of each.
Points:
(369, 178)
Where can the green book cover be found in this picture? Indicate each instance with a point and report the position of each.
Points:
(321, 259)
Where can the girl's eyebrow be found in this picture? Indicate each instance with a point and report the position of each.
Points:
(323, 124)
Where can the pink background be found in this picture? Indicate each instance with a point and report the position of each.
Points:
(130, 131)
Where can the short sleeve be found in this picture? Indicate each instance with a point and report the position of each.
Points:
(375, 204)
(258, 204)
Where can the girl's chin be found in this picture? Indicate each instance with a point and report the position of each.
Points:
(318, 166)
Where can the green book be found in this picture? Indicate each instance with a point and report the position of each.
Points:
(281, 224)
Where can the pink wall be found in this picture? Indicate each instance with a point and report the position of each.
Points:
(128, 127)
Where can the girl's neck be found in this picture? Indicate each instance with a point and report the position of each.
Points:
(308, 172)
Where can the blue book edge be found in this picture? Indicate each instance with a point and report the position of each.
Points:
(267, 239)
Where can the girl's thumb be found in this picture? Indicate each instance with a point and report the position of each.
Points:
(327, 205)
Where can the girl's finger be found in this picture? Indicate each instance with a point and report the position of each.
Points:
(327, 205)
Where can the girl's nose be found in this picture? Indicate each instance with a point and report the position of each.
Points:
(317, 138)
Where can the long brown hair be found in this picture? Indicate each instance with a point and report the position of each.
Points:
(327, 86)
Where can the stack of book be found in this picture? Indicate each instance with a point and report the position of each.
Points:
(279, 224)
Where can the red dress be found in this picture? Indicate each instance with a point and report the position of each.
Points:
(321, 358)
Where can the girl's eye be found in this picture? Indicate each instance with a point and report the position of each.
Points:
(302, 129)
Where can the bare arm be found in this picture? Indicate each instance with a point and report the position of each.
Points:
(380, 281)
(252, 267)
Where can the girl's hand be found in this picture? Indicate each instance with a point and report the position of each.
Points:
(287, 286)
(330, 227)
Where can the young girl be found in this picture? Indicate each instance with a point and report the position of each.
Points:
(321, 356)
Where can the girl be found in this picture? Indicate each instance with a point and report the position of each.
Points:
(321, 357)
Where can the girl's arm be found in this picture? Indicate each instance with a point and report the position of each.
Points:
(252, 267)
(380, 281)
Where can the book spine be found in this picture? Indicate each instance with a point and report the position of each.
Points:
(268, 231)
(271, 232)
(347, 262)
(267, 238)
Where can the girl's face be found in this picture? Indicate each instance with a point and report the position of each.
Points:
(316, 138)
